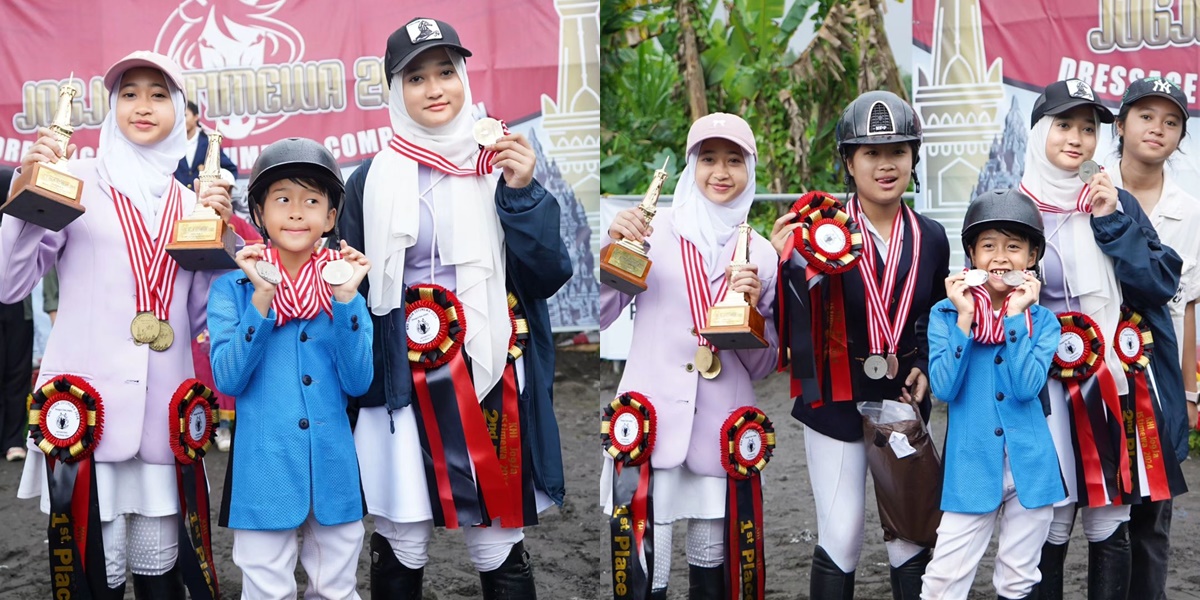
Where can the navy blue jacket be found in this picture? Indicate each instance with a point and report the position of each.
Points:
(188, 175)
(1148, 272)
(537, 265)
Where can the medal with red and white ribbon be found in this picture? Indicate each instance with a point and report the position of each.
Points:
(154, 271)
(1083, 203)
(306, 295)
(1095, 409)
(482, 160)
(700, 299)
(989, 325)
(1134, 345)
(462, 466)
(66, 421)
(192, 421)
(747, 444)
(883, 331)
(627, 434)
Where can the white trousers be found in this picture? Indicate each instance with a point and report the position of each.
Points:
(329, 556)
(487, 546)
(705, 547)
(1098, 523)
(962, 540)
(838, 472)
(144, 545)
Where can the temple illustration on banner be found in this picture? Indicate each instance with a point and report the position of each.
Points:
(960, 101)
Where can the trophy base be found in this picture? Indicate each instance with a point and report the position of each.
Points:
(623, 269)
(206, 245)
(49, 199)
(735, 328)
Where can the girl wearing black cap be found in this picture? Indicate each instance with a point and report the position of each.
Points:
(1149, 127)
(291, 339)
(901, 271)
(1103, 260)
(464, 262)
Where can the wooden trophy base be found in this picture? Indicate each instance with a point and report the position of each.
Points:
(48, 199)
(623, 269)
(735, 327)
(203, 245)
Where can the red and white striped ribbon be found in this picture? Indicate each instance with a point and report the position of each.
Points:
(154, 270)
(433, 160)
(989, 326)
(305, 296)
(884, 333)
(700, 297)
(1082, 203)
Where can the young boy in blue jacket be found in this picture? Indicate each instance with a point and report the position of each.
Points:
(291, 338)
(990, 350)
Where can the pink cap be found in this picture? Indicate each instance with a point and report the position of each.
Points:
(722, 125)
(143, 58)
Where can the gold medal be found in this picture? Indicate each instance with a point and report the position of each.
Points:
(714, 370)
(704, 359)
(144, 328)
(166, 337)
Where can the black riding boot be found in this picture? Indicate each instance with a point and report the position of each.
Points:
(706, 583)
(168, 586)
(390, 579)
(1051, 567)
(117, 593)
(1032, 595)
(906, 578)
(513, 580)
(660, 594)
(826, 581)
(1109, 566)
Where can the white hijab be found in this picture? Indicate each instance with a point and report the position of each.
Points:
(705, 223)
(1091, 282)
(467, 229)
(142, 173)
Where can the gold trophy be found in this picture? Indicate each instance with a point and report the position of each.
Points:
(625, 264)
(202, 241)
(48, 195)
(733, 323)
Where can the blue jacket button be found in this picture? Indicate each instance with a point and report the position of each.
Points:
(306, 380)
(999, 431)
(303, 423)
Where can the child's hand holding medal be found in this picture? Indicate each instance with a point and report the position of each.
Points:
(346, 291)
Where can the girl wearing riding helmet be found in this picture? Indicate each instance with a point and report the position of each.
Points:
(1103, 263)
(691, 401)
(105, 259)
(1149, 127)
(879, 136)
(463, 262)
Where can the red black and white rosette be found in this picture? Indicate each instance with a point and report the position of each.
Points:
(1133, 342)
(829, 239)
(1080, 348)
(193, 412)
(192, 420)
(747, 444)
(520, 328)
(435, 324)
(66, 418)
(66, 421)
(627, 434)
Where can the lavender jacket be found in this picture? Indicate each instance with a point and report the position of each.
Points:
(91, 336)
(690, 410)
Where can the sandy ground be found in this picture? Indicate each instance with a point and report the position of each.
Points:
(568, 546)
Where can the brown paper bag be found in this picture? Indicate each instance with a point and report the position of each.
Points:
(908, 490)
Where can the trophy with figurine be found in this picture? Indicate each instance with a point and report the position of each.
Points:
(202, 241)
(625, 263)
(733, 322)
(48, 195)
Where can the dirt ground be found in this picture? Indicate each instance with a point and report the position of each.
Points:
(568, 547)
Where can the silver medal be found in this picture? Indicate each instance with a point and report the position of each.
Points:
(976, 277)
(1087, 170)
(875, 366)
(337, 272)
(487, 131)
(1014, 278)
(268, 271)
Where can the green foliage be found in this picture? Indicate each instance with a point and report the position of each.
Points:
(1194, 443)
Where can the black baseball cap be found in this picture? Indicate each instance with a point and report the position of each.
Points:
(1155, 86)
(1062, 96)
(417, 36)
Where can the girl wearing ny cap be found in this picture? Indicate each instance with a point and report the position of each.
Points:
(1149, 127)
(465, 246)
(128, 187)
(1103, 263)
(711, 200)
